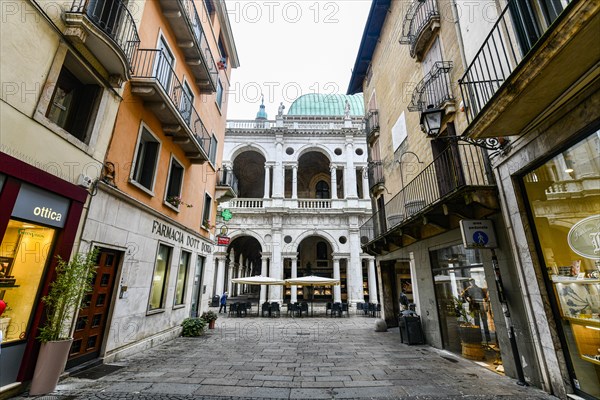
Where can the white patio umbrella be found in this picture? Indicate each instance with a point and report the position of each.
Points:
(312, 280)
(258, 280)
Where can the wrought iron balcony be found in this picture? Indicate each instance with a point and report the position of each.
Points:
(455, 184)
(372, 125)
(421, 22)
(376, 176)
(108, 30)
(155, 81)
(522, 54)
(434, 89)
(227, 185)
(186, 25)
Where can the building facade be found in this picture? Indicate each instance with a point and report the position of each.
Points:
(426, 182)
(301, 197)
(536, 181)
(113, 120)
(62, 76)
(549, 178)
(158, 190)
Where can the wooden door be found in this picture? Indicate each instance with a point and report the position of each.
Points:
(92, 319)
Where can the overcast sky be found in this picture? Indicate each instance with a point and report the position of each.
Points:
(290, 48)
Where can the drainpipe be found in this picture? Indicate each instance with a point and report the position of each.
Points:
(461, 44)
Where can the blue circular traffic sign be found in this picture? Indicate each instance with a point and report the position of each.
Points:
(480, 238)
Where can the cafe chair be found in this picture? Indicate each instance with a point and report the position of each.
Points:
(265, 308)
(359, 307)
(241, 310)
(233, 310)
(275, 309)
(336, 309)
(344, 309)
(304, 308)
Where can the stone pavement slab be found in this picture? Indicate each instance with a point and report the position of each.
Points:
(307, 358)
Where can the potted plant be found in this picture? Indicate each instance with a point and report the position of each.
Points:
(73, 279)
(470, 334)
(193, 327)
(210, 317)
(176, 201)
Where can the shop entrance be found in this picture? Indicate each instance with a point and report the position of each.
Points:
(24, 255)
(464, 307)
(93, 315)
(198, 289)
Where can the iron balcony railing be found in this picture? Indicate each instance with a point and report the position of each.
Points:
(114, 19)
(420, 13)
(376, 175)
(153, 64)
(226, 177)
(201, 41)
(372, 123)
(455, 168)
(513, 35)
(435, 88)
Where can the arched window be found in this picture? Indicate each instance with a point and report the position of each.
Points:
(322, 190)
(321, 251)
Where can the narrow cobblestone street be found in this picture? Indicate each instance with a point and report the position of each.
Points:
(308, 358)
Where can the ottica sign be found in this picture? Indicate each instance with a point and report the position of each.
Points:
(37, 205)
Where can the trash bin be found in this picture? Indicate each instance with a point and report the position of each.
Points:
(410, 328)
(215, 301)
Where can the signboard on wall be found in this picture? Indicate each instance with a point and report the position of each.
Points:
(478, 234)
(584, 237)
(223, 240)
(37, 205)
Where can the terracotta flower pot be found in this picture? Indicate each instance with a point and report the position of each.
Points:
(211, 325)
(50, 364)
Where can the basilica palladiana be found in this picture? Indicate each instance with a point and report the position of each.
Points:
(302, 193)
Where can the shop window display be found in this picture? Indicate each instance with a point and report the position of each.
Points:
(465, 311)
(23, 257)
(564, 199)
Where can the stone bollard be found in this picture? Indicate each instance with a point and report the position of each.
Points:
(380, 325)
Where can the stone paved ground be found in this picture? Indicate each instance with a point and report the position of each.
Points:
(308, 358)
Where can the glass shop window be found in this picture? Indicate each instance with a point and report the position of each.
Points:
(24, 254)
(564, 199)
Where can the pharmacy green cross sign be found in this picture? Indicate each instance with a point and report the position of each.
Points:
(226, 215)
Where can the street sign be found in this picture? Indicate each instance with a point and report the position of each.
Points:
(223, 240)
(478, 234)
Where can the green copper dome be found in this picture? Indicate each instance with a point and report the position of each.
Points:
(327, 104)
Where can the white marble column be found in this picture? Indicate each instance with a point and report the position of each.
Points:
(278, 171)
(295, 181)
(242, 262)
(365, 183)
(337, 290)
(372, 282)
(333, 190)
(349, 172)
(267, 181)
(276, 267)
(354, 270)
(263, 288)
(294, 296)
(220, 274)
(229, 277)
